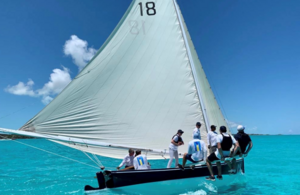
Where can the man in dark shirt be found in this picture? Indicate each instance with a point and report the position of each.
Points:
(244, 140)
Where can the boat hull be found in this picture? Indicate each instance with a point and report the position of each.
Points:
(116, 179)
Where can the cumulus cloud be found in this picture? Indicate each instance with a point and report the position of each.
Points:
(79, 51)
(21, 88)
(58, 80)
(232, 124)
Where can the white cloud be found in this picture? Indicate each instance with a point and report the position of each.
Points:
(79, 51)
(253, 129)
(47, 99)
(58, 80)
(21, 88)
(232, 124)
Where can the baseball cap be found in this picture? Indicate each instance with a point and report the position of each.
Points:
(240, 128)
(180, 131)
(198, 124)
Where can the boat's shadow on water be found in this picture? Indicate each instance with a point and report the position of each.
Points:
(236, 184)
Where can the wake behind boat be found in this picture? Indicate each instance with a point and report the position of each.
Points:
(145, 82)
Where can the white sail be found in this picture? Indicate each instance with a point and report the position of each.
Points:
(212, 109)
(144, 84)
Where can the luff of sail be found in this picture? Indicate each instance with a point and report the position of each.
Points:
(138, 90)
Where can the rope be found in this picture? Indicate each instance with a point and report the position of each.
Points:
(14, 112)
(53, 153)
(91, 159)
(97, 159)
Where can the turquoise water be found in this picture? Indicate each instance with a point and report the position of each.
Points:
(272, 167)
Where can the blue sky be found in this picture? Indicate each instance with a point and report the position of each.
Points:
(248, 49)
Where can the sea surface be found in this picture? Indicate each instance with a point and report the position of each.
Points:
(272, 167)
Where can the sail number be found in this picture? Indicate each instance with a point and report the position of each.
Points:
(150, 8)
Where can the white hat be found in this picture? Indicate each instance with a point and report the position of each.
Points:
(240, 128)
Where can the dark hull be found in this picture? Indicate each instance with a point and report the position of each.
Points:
(114, 179)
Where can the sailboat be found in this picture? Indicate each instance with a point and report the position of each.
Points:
(144, 83)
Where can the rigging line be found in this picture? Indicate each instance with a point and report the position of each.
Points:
(16, 111)
(53, 153)
(217, 96)
(90, 158)
(97, 159)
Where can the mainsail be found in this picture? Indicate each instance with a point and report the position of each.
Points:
(144, 84)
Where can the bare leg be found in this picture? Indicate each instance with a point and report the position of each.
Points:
(229, 164)
(234, 163)
(184, 159)
(219, 169)
(208, 163)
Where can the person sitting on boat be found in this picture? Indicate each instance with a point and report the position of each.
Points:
(244, 141)
(212, 139)
(173, 147)
(196, 131)
(197, 152)
(140, 161)
(224, 142)
(128, 159)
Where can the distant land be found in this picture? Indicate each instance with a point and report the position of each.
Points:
(9, 136)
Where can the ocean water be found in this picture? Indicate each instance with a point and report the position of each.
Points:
(272, 167)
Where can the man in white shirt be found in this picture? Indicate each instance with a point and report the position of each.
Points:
(128, 159)
(196, 132)
(197, 152)
(212, 139)
(140, 161)
(224, 142)
(173, 147)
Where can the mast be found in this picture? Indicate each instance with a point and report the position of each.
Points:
(192, 67)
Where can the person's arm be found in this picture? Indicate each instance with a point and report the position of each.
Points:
(220, 151)
(208, 140)
(236, 148)
(248, 149)
(173, 142)
(122, 163)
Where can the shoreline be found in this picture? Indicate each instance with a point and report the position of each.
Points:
(10, 136)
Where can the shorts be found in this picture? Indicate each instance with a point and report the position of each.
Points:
(189, 157)
(212, 157)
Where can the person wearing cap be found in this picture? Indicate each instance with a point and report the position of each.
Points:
(197, 152)
(196, 132)
(244, 140)
(173, 147)
(140, 161)
(212, 139)
(224, 143)
(128, 159)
